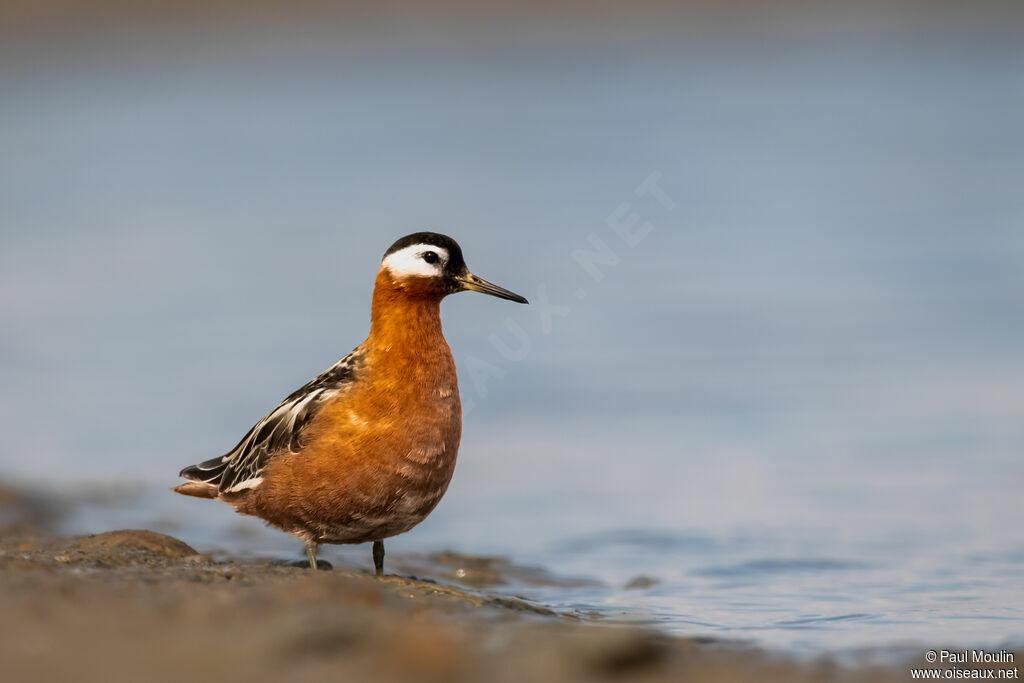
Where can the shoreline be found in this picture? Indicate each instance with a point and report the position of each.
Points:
(139, 605)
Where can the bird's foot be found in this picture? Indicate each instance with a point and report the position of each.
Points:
(304, 564)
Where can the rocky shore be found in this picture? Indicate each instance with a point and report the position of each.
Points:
(136, 605)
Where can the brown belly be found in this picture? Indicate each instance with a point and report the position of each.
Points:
(360, 480)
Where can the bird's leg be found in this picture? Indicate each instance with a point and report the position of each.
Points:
(378, 557)
(311, 560)
(311, 548)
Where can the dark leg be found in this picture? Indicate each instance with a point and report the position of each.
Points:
(378, 557)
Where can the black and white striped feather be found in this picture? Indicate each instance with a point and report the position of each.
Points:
(279, 431)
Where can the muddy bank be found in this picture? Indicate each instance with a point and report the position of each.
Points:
(137, 605)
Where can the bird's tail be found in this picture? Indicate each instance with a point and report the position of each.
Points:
(204, 479)
(199, 489)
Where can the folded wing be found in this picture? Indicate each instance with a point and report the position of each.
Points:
(280, 431)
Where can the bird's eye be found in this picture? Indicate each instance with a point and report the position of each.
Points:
(430, 257)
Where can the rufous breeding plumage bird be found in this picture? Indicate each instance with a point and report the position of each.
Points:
(366, 450)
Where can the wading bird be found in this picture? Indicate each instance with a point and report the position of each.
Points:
(366, 450)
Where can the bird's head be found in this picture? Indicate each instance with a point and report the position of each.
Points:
(429, 264)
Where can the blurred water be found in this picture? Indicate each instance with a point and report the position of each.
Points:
(797, 402)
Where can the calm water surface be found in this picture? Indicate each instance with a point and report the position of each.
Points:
(797, 403)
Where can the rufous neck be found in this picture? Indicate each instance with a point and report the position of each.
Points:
(404, 318)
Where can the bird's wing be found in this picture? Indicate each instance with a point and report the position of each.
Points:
(279, 431)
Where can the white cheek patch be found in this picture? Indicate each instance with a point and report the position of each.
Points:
(409, 261)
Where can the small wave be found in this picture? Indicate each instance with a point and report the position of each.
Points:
(812, 621)
(778, 566)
